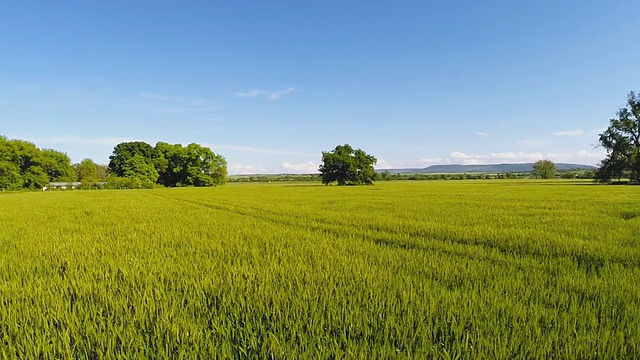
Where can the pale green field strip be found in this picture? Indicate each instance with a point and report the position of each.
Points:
(469, 269)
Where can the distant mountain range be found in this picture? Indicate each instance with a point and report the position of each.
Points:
(489, 168)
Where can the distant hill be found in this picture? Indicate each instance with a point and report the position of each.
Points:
(489, 168)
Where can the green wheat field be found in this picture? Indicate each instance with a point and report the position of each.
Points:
(435, 269)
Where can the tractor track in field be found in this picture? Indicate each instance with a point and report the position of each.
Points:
(590, 263)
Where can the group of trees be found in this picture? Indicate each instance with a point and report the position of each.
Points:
(348, 166)
(168, 164)
(133, 164)
(23, 165)
(621, 140)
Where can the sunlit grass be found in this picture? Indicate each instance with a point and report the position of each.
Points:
(485, 269)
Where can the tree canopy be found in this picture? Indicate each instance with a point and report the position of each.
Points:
(23, 165)
(127, 157)
(347, 166)
(87, 171)
(168, 164)
(544, 169)
(621, 140)
(132, 165)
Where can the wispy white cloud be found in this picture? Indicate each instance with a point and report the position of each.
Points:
(431, 161)
(240, 169)
(308, 167)
(458, 157)
(482, 133)
(269, 95)
(568, 133)
(280, 94)
(193, 109)
(242, 148)
(503, 157)
(581, 157)
(248, 94)
(382, 164)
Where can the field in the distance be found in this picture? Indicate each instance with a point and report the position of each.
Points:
(477, 269)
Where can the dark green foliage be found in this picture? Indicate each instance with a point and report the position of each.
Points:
(168, 160)
(57, 165)
(121, 163)
(168, 164)
(23, 165)
(544, 169)
(34, 178)
(347, 166)
(10, 177)
(622, 143)
(138, 166)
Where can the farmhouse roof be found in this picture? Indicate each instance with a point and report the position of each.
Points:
(75, 183)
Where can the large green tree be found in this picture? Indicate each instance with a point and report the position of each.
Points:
(169, 160)
(621, 140)
(23, 165)
(544, 169)
(347, 166)
(120, 161)
(139, 167)
(169, 164)
(204, 167)
(57, 165)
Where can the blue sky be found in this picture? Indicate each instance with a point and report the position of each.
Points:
(272, 84)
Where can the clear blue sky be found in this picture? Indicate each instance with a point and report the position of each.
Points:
(271, 84)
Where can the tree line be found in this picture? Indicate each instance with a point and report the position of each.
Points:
(138, 164)
(132, 165)
(24, 166)
(621, 140)
(386, 175)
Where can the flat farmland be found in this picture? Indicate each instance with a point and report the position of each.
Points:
(433, 269)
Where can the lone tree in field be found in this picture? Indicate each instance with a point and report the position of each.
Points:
(622, 142)
(347, 166)
(544, 169)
